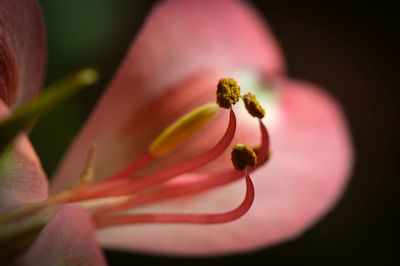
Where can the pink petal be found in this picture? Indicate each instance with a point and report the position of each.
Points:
(67, 239)
(22, 50)
(181, 43)
(312, 158)
(22, 179)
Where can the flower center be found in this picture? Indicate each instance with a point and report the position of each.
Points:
(122, 191)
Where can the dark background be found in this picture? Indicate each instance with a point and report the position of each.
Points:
(350, 49)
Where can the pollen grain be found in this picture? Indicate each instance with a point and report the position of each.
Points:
(228, 92)
(253, 106)
(242, 156)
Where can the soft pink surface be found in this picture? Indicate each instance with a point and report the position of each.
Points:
(181, 43)
(22, 179)
(184, 47)
(22, 50)
(67, 239)
(309, 167)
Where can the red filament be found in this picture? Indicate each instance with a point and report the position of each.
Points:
(113, 220)
(206, 182)
(126, 186)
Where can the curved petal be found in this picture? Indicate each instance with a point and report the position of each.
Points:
(22, 179)
(311, 161)
(22, 50)
(181, 43)
(67, 239)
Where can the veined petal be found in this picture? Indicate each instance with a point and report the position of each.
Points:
(22, 179)
(310, 164)
(22, 50)
(67, 239)
(183, 46)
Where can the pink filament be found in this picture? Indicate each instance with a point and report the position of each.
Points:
(113, 220)
(207, 182)
(125, 186)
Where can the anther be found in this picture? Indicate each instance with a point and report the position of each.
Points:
(253, 106)
(242, 156)
(228, 92)
(173, 136)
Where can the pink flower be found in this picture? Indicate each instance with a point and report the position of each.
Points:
(173, 66)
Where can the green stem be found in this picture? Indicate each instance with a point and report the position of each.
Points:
(53, 96)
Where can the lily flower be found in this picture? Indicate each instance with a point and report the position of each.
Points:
(152, 165)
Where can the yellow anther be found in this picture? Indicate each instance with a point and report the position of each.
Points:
(174, 135)
(228, 92)
(243, 155)
(253, 106)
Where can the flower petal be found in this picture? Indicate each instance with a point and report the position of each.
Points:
(22, 50)
(180, 42)
(22, 179)
(67, 239)
(310, 164)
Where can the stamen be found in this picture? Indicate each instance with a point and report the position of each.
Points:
(228, 92)
(253, 106)
(242, 156)
(181, 130)
(205, 182)
(171, 138)
(153, 187)
(129, 186)
(183, 167)
(112, 220)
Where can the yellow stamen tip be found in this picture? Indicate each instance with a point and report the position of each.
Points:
(228, 92)
(243, 155)
(173, 136)
(253, 106)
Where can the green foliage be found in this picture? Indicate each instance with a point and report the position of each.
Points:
(25, 115)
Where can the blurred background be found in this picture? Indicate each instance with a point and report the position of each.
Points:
(348, 48)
